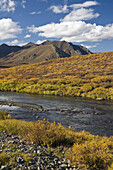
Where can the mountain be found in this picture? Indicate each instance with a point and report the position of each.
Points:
(30, 44)
(5, 49)
(33, 53)
(68, 48)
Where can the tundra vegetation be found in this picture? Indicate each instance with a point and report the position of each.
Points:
(84, 150)
(85, 76)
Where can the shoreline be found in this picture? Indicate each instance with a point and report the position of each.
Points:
(29, 106)
(58, 95)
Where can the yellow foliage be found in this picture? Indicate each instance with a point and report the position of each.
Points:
(75, 76)
(83, 149)
(92, 154)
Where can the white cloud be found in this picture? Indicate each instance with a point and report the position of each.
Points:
(32, 29)
(80, 14)
(89, 32)
(64, 9)
(85, 4)
(59, 9)
(73, 28)
(9, 29)
(39, 12)
(27, 36)
(90, 46)
(7, 5)
(23, 3)
(75, 31)
(40, 41)
(16, 42)
(33, 13)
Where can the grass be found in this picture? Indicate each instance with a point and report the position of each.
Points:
(84, 150)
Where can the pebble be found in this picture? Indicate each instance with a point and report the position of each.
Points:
(37, 156)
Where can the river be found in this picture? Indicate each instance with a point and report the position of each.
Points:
(93, 116)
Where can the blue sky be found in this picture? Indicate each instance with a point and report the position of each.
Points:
(87, 23)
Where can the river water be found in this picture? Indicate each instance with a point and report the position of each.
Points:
(93, 116)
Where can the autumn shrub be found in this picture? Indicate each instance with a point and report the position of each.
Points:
(73, 91)
(49, 134)
(4, 115)
(87, 76)
(86, 88)
(99, 92)
(110, 167)
(110, 93)
(92, 154)
(41, 132)
(14, 126)
(82, 148)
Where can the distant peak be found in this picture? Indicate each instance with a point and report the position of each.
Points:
(4, 45)
(52, 42)
(64, 41)
(30, 44)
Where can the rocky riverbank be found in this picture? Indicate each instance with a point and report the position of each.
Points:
(16, 153)
(29, 106)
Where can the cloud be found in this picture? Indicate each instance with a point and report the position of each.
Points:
(9, 29)
(59, 9)
(7, 5)
(40, 41)
(80, 14)
(16, 42)
(75, 31)
(32, 29)
(39, 12)
(85, 4)
(73, 28)
(64, 9)
(88, 32)
(33, 13)
(27, 36)
(90, 46)
(23, 3)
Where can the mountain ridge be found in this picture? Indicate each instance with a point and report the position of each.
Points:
(34, 53)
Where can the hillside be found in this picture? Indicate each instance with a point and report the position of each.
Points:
(32, 53)
(5, 49)
(85, 76)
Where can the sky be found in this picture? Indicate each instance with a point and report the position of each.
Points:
(82, 22)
